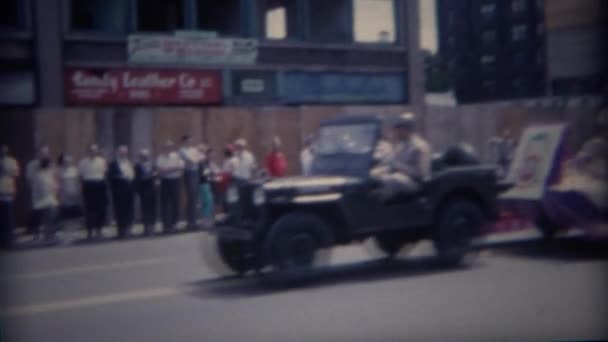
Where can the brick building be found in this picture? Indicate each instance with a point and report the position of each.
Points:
(138, 72)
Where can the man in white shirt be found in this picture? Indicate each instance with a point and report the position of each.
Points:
(191, 158)
(9, 171)
(121, 175)
(45, 199)
(31, 169)
(92, 171)
(170, 168)
(246, 161)
(307, 156)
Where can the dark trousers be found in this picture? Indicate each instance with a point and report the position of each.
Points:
(169, 192)
(191, 187)
(95, 204)
(48, 218)
(7, 224)
(147, 201)
(122, 198)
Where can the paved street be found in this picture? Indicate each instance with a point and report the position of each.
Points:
(159, 289)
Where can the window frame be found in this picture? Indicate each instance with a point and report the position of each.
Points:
(260, 24)
(523, 36)
(487, 15)
(484, 39)
(522, 6)
(350, 24)
(396, 21)
(186, 14)
(69, 31)
(247, 18)
(24, 13)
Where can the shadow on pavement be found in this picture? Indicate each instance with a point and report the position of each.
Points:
(365, 271)
(562, 249)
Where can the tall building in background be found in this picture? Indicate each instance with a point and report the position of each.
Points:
(494, 49)
(576, 46)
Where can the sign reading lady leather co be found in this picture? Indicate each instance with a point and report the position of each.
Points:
(188, 49)
(142, 86)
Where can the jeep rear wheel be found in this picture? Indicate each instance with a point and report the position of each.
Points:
(459, 223)
(293, 244)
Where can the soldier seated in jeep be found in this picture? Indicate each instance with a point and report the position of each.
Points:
(409, 163)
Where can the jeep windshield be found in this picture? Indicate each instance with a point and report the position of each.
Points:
(346, 139)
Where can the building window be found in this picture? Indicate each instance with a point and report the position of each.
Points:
(279, 18)
(334, 25)
(517, 83)
(518, 6)
(160, 15)
(518, 33)
(540, 5)
(221, 16)
(276, 23)
(451, 18)
(374, 21)
(540, 29)
(488, 10)
(519, 59)
(489, 87)
(539, 57)
(106, 16)
(452, 63)
(451, 41)
(12, 16)
(488, 60)
(489, 37)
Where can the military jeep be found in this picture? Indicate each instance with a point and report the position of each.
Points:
(283, 223)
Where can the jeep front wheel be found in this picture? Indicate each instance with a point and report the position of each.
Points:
(293, 244)
(459, 223)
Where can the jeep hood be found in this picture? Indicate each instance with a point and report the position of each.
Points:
(310, 183)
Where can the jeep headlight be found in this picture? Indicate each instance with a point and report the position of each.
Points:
(259, 196)
(232, 195)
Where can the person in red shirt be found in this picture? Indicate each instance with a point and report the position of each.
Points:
(276, 163)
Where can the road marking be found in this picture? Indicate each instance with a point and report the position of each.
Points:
(86, 269)
(91, 301)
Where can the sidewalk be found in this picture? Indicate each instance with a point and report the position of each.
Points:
(74, 232)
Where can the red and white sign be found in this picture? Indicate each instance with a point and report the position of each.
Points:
(142, 86)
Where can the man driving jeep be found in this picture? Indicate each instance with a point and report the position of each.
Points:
(409, 163)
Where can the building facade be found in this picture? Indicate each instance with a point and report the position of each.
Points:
(138, 72)
(576, 47)
(494, 49)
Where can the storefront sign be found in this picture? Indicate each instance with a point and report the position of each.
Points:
(253, 85)
(191, 49)
(314, 87)
(17, 88)
(138, 86)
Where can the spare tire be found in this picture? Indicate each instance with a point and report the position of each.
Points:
(460, 155)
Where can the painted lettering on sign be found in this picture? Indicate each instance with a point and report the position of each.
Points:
(121, 86)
